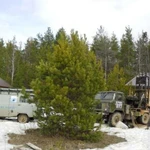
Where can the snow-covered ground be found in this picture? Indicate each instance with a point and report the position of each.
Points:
(137, 138)
(12, 126)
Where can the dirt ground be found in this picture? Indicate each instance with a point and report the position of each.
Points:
(60, 143)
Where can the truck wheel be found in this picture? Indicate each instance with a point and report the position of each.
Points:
(22, 118)
(114, 118)
(144, 118)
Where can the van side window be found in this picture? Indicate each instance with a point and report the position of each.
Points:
(23, 100)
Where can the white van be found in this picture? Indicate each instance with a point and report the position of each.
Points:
(13, 104)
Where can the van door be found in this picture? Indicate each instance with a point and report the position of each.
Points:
(25, 107)
(119, 101)
(12, 110)
(4, 105)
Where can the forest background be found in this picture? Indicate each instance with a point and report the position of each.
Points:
(120, 59)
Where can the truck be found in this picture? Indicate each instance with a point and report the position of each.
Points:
(115, 106)
(13, 103)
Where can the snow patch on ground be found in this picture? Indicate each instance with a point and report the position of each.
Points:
(137, 138)
(12, 127)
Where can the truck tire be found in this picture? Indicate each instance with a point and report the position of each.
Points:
(114, 118)
(22, 118)
(144, 118)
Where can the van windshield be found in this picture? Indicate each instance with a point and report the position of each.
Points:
(26, 100)
(105, 96)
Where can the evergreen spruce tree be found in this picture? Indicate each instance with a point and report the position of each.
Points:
(66, 86)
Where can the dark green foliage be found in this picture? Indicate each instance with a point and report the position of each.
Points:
(66, 86)
(68, 76)
(46, 42)
(17, 65)
(114, 43)
(30, 58)
(8, 60)
(2, 60)
(115, 48)
(142, 54)
(117, 80)
(18, 81)
(105, 49)
(127, 54)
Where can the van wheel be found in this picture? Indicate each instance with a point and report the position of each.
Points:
(22, 118)
(144, 118)
(114, 118)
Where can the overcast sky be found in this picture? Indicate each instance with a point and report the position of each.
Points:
(26, 18)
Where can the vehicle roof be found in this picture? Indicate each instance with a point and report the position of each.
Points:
(111, 91)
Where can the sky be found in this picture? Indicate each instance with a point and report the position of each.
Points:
(136, 138)
(27, 18)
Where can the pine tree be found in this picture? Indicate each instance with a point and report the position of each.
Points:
(115, 48)
(20, 70)
(114, 43)
(31, 59)
(142, 54)
(65, 88)
(45, 43)
(127, 53)
(117, 80)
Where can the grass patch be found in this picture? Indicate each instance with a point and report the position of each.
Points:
(35, 137)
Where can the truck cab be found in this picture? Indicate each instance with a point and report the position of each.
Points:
(111, 104)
